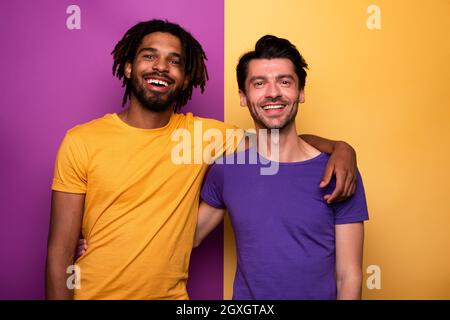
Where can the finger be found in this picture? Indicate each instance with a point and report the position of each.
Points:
(339, 189)
(348, 186)
(355, 182)
(353, 190)
(326, 178)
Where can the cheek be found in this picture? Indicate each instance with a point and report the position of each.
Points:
(177, 71)
(253, 101)
(256, 97)
(179, 77)
(293, 95)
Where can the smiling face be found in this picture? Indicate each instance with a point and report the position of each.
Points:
(157, 73)
(272, 93)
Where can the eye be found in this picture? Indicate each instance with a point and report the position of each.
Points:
(149, 56)
(174, 61)
(258, 84)
(285, 82)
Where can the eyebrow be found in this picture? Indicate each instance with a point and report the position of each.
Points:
(174, 54)
(254, 78)
(290, 76)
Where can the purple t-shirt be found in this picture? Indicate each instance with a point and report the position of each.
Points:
(284, 230)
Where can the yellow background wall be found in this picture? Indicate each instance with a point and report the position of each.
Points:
(387, 93)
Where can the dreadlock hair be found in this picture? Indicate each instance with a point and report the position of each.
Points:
(192, 52)
(271, 47)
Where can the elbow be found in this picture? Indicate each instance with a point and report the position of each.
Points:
(196, 243)
(353, 278)
(58, 259)
(349, 285)
(198, 237)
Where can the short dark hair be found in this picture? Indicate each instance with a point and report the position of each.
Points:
(271, 47)
(193, 56)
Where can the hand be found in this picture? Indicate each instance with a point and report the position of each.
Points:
(342, 164)
(81, 249)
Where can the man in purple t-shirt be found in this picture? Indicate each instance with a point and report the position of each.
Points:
(291, 243)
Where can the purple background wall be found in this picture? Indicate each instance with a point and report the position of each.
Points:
(54, 78)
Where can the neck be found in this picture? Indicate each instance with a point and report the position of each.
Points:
(138, 116)
(291, 148)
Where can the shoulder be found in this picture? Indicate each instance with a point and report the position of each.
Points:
(318, 162)
(214, 176)
(91, 127)
(206, 123)
(217, 167)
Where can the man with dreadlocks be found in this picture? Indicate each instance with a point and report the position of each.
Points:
(115, 180)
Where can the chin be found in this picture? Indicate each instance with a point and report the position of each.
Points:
(157, 107)
(273, 124)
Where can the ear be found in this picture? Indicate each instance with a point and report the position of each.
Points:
(127, 69)
(185, 83)
(301, 96)
(242, 98)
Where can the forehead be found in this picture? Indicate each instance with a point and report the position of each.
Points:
(161, 41)
(270, 67)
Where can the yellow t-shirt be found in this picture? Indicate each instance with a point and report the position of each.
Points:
(140, 205)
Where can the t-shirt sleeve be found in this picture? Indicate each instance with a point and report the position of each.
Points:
(212, 189)
(70, 173)
(353, 209)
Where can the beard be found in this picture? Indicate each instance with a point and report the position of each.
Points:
(265, 123)
(151, 100)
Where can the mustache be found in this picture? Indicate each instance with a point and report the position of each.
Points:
(274, 100)
(159, 75)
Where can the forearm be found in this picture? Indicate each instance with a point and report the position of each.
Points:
(349, 286)
(65, 225)
(322, 144)
(203, 229)
(201, 232)
(208, 219)
(58, 260)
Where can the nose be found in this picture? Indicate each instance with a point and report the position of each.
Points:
(160, 65)
(273, 91)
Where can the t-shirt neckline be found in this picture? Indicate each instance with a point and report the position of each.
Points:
(296, 163)
(126, 126)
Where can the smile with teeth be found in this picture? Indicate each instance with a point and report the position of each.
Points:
(157, 82)
(276, 106)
